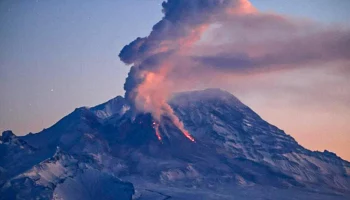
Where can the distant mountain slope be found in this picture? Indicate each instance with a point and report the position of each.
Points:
(235, 151)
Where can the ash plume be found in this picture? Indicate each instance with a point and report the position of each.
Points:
(182, 25)
(202, 42)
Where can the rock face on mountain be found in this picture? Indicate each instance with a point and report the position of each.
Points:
(107, 150)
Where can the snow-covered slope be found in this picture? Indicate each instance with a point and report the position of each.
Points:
(66, 176)
(218, 116)
(16, 156)
(115, 106)
(237, 155)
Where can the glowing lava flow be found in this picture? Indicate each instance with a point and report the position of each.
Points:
(152, 96)
(156, 128)
(155, 125)
(188, 136)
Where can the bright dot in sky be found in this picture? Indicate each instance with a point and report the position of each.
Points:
(51, 90)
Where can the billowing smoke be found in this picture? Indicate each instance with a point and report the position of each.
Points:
(183, 23)
(201, 41)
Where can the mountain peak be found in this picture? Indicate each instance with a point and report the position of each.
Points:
(207, 93)
(211, 94)
(7, 136)
(117, 105)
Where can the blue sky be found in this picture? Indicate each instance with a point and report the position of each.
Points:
(59, 55)
(64, 46)
(321, 10)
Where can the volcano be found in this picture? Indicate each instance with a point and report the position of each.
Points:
(108, 152)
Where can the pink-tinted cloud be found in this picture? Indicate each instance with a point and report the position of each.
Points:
(262, 42)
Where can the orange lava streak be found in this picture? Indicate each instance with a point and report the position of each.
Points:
(158, 134)
(156, 128)
(188, 136)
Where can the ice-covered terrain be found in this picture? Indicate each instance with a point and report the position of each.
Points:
(105, 152)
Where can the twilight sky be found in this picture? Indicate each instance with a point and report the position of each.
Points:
(59, 55)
